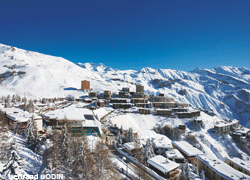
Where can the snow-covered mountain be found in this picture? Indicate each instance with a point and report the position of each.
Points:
(225, 90)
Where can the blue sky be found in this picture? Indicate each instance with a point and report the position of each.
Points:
(125, 34)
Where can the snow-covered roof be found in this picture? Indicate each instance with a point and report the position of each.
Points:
(160, 109)
(187, 148)
(162, 142)
(221, 124)
(10, 110)
(131, 145)
(162, 164)
(221, 168)
(101, 112)
(91, 123)
(241, 163)
(17, 114)
(70, 113)
(174, 154)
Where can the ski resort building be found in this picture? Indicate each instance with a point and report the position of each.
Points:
(216, 169)
(187, 150)
(168, 105)
(107, 94)
(161, 99)
(174, 155)
(122, 105)
(188, 114)
(179, 110)
(85, 85)
(163, 166)
(93, 94)
(224, 128)
(239, 165)
(18, 118)
(123, 94)
(143, 105)
(139, 100)
(139, 89)
(161, 144)
(118, 100)
(78, 118)
(131, 147)
(164, 112)
(144, 111)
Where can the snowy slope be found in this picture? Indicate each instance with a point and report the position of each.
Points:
(225, 90)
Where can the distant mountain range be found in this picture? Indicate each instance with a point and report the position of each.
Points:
(224, 89)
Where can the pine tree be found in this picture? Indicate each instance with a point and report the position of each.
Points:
(185, 172)
(119, 139)
(13, 100)
(14, 165)
(66, 142)
(148, 151)
(31, 107)
(129, 135)
(30, 131)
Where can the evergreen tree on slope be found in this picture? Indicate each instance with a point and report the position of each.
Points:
(148, 151)
(14, 164)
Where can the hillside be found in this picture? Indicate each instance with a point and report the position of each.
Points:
(225, 90)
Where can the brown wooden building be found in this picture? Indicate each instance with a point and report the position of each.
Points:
(85, 85)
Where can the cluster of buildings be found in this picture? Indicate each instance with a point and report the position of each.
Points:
(158, 105)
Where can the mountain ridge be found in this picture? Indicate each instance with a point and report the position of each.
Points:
(224, 89)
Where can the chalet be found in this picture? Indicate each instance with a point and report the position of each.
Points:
(163, 166)
(144, 111)
(239, 165)
(165, 112)
(174, 155)
(187, 150)
(226, 127)
(161, 144)
(20, 118)
(131, 147)
(216, 169)
(78, 118)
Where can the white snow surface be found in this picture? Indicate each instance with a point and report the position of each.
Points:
(49, 76)
(163, 164)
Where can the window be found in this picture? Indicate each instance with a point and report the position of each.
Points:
(60, 123)
(89, 117)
